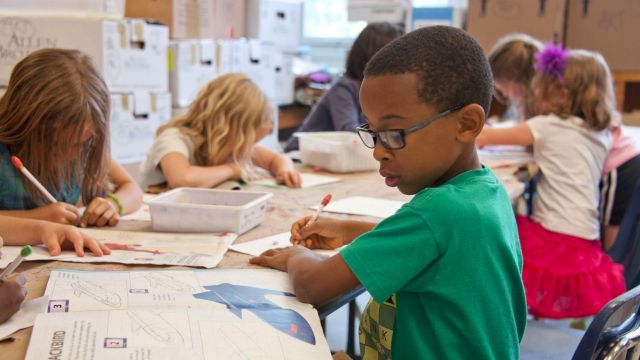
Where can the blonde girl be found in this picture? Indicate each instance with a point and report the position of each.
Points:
(55, 117)
(511, 61)
(566, 274)
(216, 140)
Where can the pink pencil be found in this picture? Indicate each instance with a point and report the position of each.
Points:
(18, 164)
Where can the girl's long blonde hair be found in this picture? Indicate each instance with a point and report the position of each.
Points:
(511, 60)
(223, 120)
(54, 96)
(589, 87)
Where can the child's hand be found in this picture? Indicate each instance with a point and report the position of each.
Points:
(100, 212)
(236, 170)
(276, 258)
(289, 177)
(59, 212)
(57, 237)
(12, 294)
(322, 234)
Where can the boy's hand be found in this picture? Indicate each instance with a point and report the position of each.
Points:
(322, 234)
(59, 212)
(100, 212)
(277, 258)
(289, 177)
(12, 294)
(57, 237)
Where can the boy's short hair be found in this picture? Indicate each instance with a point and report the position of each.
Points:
(451, 67)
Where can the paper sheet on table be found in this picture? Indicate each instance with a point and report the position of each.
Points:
(197, 250)
(361, 205)
(502, 155)
(258, 246)
(176, 314)
(308, 180)
(141, 214)
(25, 317)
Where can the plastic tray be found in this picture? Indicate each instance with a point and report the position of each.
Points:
(208, 210)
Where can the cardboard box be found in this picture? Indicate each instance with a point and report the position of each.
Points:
(193, 19)
(393, 11)
(135, 117)
(130, 54)
(240, 55)
(192, 64)
(222, 19)
(181, 16)
(102, 8)
(489, 20)
(224, 50)
(275, 22)
(284, 78)
(429, 16)
(609, 27)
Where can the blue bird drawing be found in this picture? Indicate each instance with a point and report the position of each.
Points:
(239, 297)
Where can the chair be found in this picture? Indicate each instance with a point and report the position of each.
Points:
(614, 333)
(626, 249)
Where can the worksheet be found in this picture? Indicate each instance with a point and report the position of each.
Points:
(258, 246)
(361, 205)
(175, 314)
(131, 247)
(307, 179)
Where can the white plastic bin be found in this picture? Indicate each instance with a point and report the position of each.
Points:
(336, 151)
(208, 210)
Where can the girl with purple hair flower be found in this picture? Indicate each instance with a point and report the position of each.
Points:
(566, 274)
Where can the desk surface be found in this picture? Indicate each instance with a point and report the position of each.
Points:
(285, 206)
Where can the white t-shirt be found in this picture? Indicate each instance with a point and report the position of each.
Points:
(571, 158)
(168, 141)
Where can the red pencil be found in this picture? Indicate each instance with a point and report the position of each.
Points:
(324, 203)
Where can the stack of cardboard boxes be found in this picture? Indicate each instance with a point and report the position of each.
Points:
(157, 54)
(609, 27)
(210, 38)
(131, 55)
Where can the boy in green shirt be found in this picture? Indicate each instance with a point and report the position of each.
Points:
(444, 271)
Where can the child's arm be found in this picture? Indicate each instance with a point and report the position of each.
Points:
(106, 210)
(180, 173)
(517, 135)
(12, 294)
(316, 279)
(280, 166)
(16, 232)
(59, 212)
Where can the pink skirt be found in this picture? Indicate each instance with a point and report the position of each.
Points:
(565, 276)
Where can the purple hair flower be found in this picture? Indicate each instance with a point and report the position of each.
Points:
(552, 60)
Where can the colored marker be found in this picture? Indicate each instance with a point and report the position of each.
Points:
(26, 251)
(18, 164)
(325, 202)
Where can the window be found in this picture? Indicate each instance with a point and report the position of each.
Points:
(327, 19)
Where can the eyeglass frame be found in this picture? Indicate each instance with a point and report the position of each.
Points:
(403, 132)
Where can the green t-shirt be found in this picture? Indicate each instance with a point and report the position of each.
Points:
(452, 258)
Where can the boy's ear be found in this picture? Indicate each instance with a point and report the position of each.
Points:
(470, 123)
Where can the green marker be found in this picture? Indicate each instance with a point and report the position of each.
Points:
(26, 251)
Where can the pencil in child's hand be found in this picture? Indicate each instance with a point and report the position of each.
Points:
(324, 203)
(18, 164)
(26, 251)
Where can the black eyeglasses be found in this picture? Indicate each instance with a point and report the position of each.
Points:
(393, 139)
